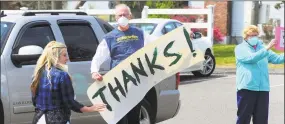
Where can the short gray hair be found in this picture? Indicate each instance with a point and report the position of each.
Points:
(123, 6)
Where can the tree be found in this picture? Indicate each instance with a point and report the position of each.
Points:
(137, 6)
(31, 5)
(160, 5)
(81, 3)
(10, 5)
(278, 5)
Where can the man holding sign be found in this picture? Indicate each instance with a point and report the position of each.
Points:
(137, 68)
(118, 45)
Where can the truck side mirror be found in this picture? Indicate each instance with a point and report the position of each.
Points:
(26, 54)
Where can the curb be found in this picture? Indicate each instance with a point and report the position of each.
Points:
(233, 71)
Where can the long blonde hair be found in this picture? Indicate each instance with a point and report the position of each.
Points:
(48, 59)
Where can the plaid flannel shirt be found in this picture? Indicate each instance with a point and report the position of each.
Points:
(56, 93)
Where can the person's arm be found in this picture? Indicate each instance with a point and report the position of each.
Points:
(245, 56)
(102, 54)
(67, 93)
(275, 58)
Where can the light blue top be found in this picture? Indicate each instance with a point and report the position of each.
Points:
(252, 66)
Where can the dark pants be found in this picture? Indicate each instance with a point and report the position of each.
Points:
(133, 116)
(252, 104)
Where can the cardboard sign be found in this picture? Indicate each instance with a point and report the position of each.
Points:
(125, 86)
(279, 36)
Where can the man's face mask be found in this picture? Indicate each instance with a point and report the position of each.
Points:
(253, 40)
(123, 21)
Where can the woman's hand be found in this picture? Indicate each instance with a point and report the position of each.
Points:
(97, 107)
(271, 44)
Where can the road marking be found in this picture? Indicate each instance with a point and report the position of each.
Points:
(277, 85)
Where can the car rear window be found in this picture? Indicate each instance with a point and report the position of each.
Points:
(146, 27)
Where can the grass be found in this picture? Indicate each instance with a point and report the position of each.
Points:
(225, 57)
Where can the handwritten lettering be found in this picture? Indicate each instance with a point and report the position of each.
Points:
(139, 70)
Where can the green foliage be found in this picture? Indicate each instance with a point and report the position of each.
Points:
(160, 5)
(137, 6)
(278, 5)
(31, 5)
(225, 56)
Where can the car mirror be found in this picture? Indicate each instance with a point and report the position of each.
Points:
(163, 31)
(26, 55)
(30, 50)
(197, 35)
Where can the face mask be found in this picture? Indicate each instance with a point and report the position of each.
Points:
(123, 21)
(253, 41)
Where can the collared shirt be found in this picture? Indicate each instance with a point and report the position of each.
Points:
(56, 93)
(103, 53)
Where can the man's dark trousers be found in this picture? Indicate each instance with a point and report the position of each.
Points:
(252, 104)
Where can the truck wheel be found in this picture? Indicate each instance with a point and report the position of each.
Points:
(208, 66)
(1, 113)
(146, 114)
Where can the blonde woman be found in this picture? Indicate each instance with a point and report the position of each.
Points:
(252, 81)
(52, 91)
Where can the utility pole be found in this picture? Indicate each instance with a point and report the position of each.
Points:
(52, 5)
(255, 12)
(39, 5)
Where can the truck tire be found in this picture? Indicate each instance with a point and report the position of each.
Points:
(1, 113)
(208, 66)
(147, 115)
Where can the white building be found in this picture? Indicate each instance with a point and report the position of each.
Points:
(242, 16)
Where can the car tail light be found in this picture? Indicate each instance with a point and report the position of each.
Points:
(177, 80)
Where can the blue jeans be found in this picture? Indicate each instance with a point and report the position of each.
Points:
(252, 104)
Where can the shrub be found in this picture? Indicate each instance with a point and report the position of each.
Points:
(218, 36)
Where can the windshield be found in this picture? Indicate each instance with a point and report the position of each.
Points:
(146, 27)
(5, 30)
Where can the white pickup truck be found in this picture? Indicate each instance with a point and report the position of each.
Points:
(82, 34)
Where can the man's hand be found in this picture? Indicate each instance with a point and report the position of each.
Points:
(271, 44)
(97, 76)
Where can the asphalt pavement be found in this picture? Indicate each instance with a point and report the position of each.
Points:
(212, 100)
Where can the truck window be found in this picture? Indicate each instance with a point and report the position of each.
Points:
(80, 40)
(38, 35)
(6, 27)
